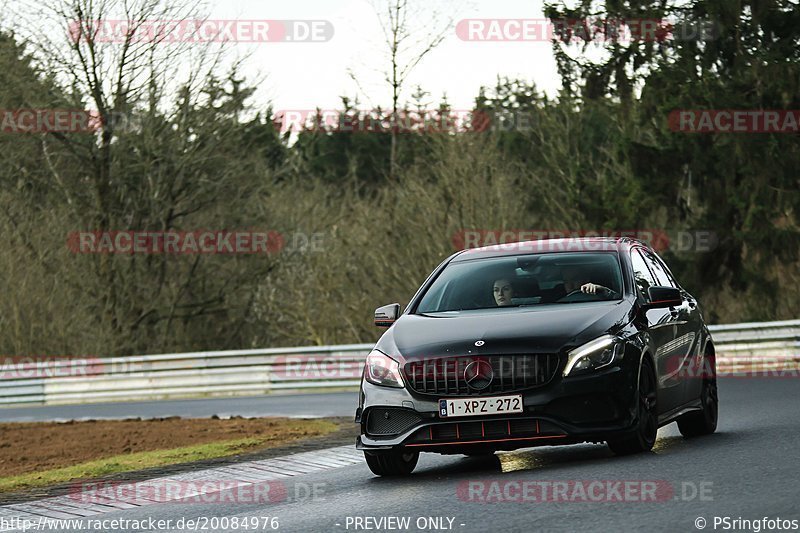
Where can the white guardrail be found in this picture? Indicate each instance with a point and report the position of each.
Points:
(740, 347)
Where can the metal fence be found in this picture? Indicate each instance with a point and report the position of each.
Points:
(770, 345)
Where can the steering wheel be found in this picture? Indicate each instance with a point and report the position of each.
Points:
(578, 296)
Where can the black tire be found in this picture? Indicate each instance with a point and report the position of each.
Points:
(643, 438)
(392, 463)
(703, 422)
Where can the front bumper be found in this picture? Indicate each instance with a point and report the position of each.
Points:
(590, 408)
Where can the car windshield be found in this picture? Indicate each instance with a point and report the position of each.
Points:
(524, 280)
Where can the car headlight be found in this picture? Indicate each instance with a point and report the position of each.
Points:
(380, 369)
(594, 354)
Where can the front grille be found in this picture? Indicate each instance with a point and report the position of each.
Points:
(445, 376)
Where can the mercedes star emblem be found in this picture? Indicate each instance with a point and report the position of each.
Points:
(478, 374)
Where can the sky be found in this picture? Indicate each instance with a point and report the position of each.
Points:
(315, 74)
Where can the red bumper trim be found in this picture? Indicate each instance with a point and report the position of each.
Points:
(483, 441)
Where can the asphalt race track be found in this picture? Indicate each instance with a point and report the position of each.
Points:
(291, 405)
(747, 470)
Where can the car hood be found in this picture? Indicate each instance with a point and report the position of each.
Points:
(546, 329)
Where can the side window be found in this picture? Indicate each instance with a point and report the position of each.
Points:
(662, 278)
(641, 274)
(663, 264)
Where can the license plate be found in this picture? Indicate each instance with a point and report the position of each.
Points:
(496, 405)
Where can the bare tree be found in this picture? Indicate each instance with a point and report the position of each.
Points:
(411, 31)
(167, 154)
(98, 49)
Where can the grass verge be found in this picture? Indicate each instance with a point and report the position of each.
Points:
(128, 462)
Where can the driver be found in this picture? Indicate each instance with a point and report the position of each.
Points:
(503, 292)
(574, 279)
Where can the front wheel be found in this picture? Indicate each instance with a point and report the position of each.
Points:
(391, 463)
(643, 438)
(703, 422)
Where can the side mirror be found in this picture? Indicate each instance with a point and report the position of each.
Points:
(386, 315)
(661, 297)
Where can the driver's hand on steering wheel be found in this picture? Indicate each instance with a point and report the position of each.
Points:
(593, 288)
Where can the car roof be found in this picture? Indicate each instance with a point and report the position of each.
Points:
(569, 244)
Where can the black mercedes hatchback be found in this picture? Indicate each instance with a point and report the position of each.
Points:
(537, 343)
